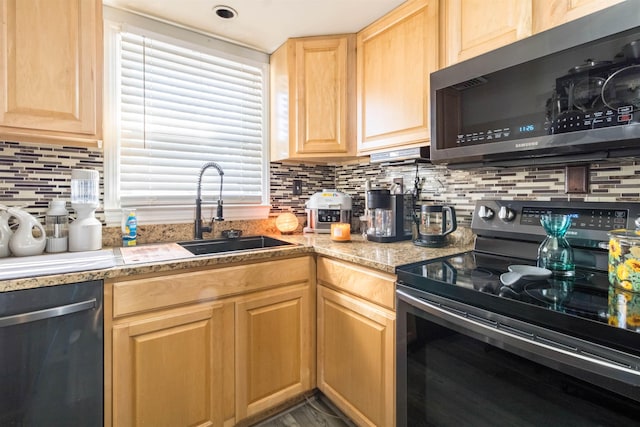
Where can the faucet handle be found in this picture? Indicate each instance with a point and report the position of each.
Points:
(219, 216)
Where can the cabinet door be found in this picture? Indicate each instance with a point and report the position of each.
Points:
(325, 81)
(551, 13)
(472, 27)
(274, 349)
(168, 369)
(395, 56)
(313, 98)
(50, 68)
(356, 357)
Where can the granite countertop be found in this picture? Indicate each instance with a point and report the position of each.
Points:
(380, 256)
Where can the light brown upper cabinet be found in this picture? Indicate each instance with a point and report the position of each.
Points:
(551, 13)
(313, 99)
(51, 71)
(472, 27)
(395, 56)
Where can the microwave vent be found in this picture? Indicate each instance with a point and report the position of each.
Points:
(477, 81)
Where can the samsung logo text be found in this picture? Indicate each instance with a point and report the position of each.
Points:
(527, 144)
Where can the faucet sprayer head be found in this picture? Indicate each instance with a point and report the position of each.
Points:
(204, 168)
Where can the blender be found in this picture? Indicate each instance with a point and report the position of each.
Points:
(85, 232)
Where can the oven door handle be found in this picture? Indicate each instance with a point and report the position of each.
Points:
(509, 337)
(47, 313)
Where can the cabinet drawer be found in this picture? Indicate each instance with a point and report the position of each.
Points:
(371, 285)
(149, 293)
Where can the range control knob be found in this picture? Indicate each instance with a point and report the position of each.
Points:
(506, 214)
(485, 212)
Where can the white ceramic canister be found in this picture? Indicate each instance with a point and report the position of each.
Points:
(85, 232)
(30, 238)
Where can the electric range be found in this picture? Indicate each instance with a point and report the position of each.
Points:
(508, 233)
(581, 327)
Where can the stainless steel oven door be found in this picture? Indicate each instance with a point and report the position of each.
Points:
(457, 365)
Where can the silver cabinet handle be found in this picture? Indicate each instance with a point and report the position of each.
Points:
(47, 313)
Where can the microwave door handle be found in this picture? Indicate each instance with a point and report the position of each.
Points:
(48, 313)
(525, 341)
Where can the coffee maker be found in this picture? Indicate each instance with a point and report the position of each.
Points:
(390, 216)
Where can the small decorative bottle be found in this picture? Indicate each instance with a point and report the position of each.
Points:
(57, 226)
(129, 227)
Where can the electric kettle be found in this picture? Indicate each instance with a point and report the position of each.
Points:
(432, 225)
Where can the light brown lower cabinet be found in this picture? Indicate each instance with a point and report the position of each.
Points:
(220, 346)
(168, 368)
(208, 347)
(356, 342)
(275, 348)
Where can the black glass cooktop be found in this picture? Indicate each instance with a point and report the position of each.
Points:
(585, 306)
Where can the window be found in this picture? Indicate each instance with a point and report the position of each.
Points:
(174, 103)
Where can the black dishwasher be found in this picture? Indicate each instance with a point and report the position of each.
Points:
(51, 356)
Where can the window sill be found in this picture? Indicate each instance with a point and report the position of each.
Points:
(186, 214)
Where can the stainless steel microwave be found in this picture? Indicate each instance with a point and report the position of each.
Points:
(569, 94)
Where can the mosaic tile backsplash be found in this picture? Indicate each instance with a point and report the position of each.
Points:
(609, 182)
(33, 174)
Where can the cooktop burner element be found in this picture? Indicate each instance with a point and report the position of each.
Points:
(585, 306)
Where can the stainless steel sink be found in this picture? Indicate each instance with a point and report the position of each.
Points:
(214, 246)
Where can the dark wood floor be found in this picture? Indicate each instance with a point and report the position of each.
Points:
(315, 412)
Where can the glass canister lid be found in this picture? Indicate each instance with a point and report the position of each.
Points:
(624, 232)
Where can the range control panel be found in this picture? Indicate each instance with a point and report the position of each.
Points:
(520, 220)
(589, 219)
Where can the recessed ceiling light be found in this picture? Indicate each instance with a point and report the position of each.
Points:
(225, 12)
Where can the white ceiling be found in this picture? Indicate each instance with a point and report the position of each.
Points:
(264, 24)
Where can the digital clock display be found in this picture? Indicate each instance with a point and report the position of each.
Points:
(526, 128)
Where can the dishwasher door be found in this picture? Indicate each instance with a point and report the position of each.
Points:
(51, 356)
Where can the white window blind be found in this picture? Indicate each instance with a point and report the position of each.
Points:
(180, 108)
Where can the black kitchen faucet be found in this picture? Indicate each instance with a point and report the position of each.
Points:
(198, 227)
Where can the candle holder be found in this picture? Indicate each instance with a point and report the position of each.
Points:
(287, 223)
(341, 232)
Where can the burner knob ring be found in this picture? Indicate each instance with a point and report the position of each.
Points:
(506, 214)
(485, 212)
